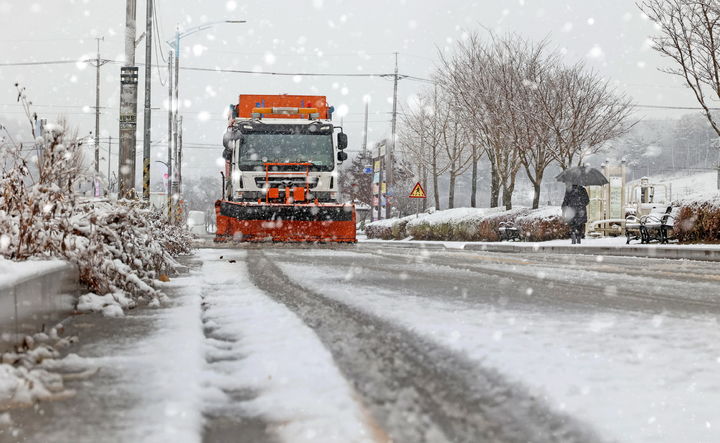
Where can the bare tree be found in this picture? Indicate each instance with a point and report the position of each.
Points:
(421, 136)
(583, 112)
(487, 78)
(690, 37)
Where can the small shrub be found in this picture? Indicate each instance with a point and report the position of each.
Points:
(698, 221)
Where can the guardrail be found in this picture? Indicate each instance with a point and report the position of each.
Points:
(36, 300)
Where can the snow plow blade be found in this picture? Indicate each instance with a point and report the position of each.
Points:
(256, 222)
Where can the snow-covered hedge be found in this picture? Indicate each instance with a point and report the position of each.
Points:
(451, 224)
(390, 229)
(119, 248)
(543, 225)
(473, 224)
(698, 220)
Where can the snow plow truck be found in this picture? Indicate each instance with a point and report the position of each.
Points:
(280, 181)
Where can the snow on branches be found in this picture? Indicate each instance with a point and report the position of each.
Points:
(120, 248)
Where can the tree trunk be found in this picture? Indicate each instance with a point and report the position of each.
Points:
(424, 180)
(507, 196)
(508, 189)
(473, 188)
(536, 195)
(494, 186)
(537, 183)
(436, 193)
(451, 191)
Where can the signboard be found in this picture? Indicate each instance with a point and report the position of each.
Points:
(377, 165)
(129, 75)
(368, 169)
(616, 209)
(383, 188)
(418, 191)
(376, 177)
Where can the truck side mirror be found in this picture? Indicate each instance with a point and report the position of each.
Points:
(342, 140)
(342, 156)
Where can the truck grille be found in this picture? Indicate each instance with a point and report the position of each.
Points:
(278, 181)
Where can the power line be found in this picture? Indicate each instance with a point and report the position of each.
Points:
(52, 62)
(680, 108)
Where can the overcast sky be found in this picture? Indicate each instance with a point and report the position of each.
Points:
(321, 36)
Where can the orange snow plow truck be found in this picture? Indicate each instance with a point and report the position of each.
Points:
(280, 181)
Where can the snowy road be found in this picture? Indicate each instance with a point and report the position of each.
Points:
(376, 342)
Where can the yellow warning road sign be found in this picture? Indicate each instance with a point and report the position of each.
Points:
(418, 191)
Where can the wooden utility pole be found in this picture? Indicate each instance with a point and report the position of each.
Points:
(391, 147)
(170, 135)
(148, 100)
(365, 131)
(98, 64)
(128, 106)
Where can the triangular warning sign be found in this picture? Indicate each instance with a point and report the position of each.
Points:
(418, 191)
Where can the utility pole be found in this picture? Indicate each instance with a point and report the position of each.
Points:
(128, 106)
(97, 111)
(365, 131)
(180, 154)
(170, 134)
(391, 147)
(148, 100)
(108, 161)
(176, 108)
(380, 163)
(98, 64)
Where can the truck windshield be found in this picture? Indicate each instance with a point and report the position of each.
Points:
(259, 148)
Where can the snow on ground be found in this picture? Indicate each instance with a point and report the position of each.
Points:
(12, 272)
(296, 381)
(692, 186)
(111, 305)
(634, 377)
(167, 373)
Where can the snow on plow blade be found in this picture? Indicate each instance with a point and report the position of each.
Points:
(285, 223)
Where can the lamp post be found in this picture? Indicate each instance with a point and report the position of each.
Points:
(174, 104)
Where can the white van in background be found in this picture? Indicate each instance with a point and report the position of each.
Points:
(196, 222)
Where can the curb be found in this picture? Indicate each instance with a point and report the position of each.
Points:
(35, 302)
(659, 252)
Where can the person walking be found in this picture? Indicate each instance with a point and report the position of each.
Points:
(574, 207)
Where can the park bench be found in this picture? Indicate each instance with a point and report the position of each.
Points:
(652, 227)
(508, 231)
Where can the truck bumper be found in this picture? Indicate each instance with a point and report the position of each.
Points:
(253, 222)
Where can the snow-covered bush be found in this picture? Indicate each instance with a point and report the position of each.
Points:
(390, 229)
(459, 224)
(698, 220)
(381, 229)
(473, 224)
(543, 225)
(489, 227)
(118, 247)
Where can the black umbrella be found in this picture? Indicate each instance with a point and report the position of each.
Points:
(583, 176)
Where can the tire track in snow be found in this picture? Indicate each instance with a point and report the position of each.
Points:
(572, 286)
(419, 391)
(270, 377)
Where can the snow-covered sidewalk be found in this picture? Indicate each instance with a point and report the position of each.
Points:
(221, 348)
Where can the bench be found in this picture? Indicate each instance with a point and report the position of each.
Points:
(508, 231)
(652, 227)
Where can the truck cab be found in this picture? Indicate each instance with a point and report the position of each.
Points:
(272, 151)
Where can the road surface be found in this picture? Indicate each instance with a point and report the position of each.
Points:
(374, 342)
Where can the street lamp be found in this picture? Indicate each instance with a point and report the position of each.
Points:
(175, 104)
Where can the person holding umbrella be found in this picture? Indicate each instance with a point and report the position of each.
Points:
(574, 207)
(576, 199)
